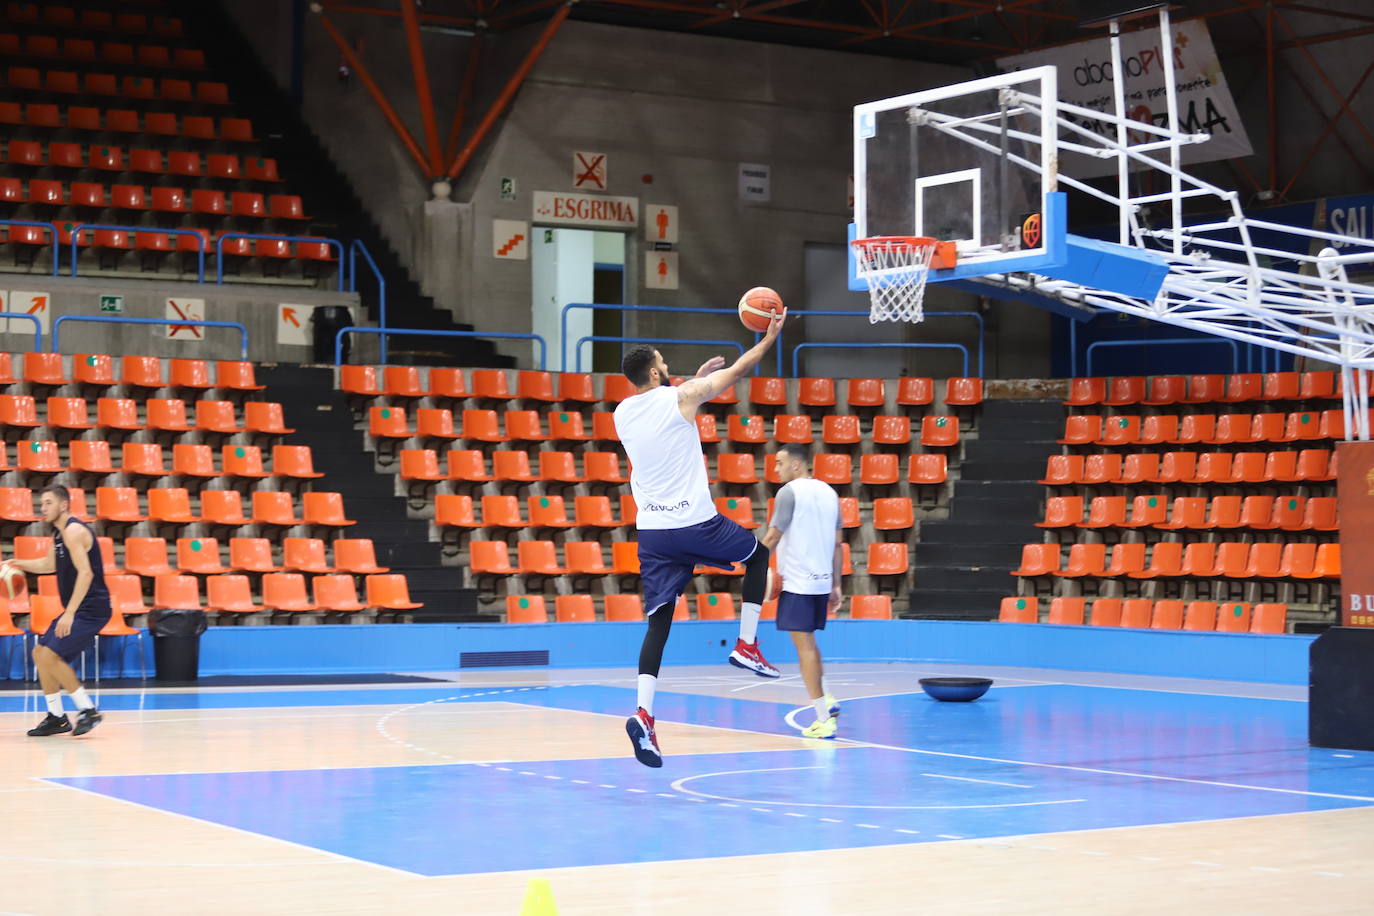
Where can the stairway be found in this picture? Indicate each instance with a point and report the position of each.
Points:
(328, 195)
(322, 419)
(962, 565)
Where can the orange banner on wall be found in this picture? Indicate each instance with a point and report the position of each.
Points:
(1355, 507)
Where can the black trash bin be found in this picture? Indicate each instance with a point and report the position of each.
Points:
(176, 643)
(326, 320)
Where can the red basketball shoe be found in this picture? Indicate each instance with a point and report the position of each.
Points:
(640, 728)
(748, 657)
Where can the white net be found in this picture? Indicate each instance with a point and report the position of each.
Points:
(895, 268)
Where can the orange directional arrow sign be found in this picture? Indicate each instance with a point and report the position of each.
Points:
(289, 314)
(40, 303)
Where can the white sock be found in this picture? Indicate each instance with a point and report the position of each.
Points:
(81, 700)
(749, 622)
(822, 708)
(54, 701)
(647, 683)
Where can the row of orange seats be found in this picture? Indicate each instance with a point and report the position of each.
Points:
(231, 593)
(1288, 466)
(1203, 429)
(217, 507)
(895, 513)
(1142, 613)
(469, 466)
(161, 242)
(83, 50)
(98, 371)
(580, 387)
(1261, 512)
(1169, 559)
(94, 20)
(93, 195)
(710, 606)
(528, 426)
(127, 121)
(105, 158)
(540, 558)
(148, 556)
(146, 459)
(141, 88)
(164, 414)
(1164, 390)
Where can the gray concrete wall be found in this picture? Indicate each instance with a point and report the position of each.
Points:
(255, 307)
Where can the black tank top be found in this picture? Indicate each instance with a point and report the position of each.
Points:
(97, 598)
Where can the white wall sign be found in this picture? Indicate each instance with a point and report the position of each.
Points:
(660, 270)
(591, 210)
(27, 302)
(754, 183)
(1205, 104)
(293, 324)
(589, 171)
(660, 223)
(185, 310)
(510, 239)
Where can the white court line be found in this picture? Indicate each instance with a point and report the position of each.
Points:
(1104, 772)
(680, 786)
(766, 683)
(337, 857)
(991, 782)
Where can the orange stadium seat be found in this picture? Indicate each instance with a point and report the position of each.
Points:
(1066, 611)
(1019, 610)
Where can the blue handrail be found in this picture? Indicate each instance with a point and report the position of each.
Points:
(107, 319)
(596, 306)
(841, 313)
(353, 248)
(51, 227)
(37, 327)
(1174, 342)
(862, 345)
(219, 249)
(673, 340)
(77, 229)
(425, 332)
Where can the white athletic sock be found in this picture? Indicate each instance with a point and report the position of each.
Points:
(822, 708)
(81, 700)
(54, 701)
(749, 622)
(647, 683)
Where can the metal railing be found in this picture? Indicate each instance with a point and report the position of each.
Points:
(37, 327)
(868, 345)
(77, 229)
(353, 248)
(654, 340)
(178, 322)
(1173, 342)
(597, 306)
(843, 313)
(51, 227)
(219, 250)
(426, 332)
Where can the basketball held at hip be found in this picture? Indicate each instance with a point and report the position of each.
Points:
(757, 308)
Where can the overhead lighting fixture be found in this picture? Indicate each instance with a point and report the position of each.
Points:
(1102, 12)
(448, 30)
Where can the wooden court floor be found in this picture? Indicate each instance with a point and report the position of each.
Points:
(1056, 793)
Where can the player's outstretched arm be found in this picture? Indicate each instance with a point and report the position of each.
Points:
(692, 393)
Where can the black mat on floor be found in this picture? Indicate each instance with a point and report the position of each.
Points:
(262, 680)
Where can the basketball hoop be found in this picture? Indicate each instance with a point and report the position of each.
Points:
(895, 268)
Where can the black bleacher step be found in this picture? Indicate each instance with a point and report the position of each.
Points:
(1003, 409)
(428, 578)
(949, 531)
(970, 555)
(1026, 470)
(956, 604)
(1020, 430)
(996, 511)
(934, 577)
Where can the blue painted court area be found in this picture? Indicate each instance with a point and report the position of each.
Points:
(1023, 760)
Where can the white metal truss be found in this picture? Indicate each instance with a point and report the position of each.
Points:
(1226, 286)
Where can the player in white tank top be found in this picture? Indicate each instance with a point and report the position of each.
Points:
(805, 529)
(677, 519)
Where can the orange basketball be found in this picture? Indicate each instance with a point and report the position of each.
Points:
(757, 307)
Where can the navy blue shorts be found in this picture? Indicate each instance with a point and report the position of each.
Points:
(85, 625)
(802, 613)
(668, 556)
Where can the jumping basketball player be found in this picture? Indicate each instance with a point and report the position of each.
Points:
(678, 523)
(805, 530)
(75, 557)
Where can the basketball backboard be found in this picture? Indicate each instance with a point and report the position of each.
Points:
(968, 163)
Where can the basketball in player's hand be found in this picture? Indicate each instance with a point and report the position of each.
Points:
(13, 579)
(757, 307)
